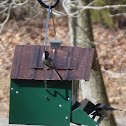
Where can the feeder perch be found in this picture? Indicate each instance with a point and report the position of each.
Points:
(84, 108)
(31, 104)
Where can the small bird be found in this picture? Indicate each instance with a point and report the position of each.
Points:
(48, 62)
(105, 110)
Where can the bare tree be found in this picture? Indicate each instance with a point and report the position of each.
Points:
(81, 35)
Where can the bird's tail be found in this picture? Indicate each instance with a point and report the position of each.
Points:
(119, 110)
(58, 75)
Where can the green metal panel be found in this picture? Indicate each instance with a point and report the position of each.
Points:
(80, 117)
(31, 104)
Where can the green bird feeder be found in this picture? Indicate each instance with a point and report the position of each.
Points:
(32, 104)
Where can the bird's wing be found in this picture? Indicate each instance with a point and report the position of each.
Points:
(55, 69)
(109, 108)
(52, 65)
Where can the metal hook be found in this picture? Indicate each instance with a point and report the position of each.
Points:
(47, 6)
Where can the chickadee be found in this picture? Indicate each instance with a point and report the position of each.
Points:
(48, 62)
(105, 110)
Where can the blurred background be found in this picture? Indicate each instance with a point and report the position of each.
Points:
(24, 22)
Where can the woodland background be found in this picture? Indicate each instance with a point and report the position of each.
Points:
(23, 22)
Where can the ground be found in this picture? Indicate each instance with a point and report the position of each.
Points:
(112, 56)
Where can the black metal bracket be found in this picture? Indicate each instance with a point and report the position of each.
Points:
(47, 6)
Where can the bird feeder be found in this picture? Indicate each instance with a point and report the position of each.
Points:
(31, 104)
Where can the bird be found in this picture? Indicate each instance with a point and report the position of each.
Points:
(48, 62)
(105, 110)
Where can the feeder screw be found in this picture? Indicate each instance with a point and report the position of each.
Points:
(17, 92)
(68, 99)
(66, 117)
(12, 88)
(60, 105)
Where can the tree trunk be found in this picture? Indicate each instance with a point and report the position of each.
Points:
(81, 35)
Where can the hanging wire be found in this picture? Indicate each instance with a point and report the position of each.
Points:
(54, 28)
(47, 27)
(45, 45)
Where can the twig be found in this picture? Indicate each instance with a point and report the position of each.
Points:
(82, 8)
(98, 8)
(58, 13)
(27, 19)
(8, 15)
(4, 2)
(2, 44)
(106, 43)
(8, 7)
(119, 14)
(3, 10)
(19, 4)
(113, 73)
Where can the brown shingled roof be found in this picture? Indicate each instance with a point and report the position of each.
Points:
(73, 63)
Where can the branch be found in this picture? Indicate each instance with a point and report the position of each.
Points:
(2, 44)
(82, 8)
(4, 2)
(65, 8)
(112, 41)
(28, 19)
(8, 15)
(106, 43)
(58, 13)
(98, 8)
(19, 4)
(119, 14)
(13, 4)
(3, 10)
(113, 73)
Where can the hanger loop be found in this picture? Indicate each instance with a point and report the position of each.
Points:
(47, 6)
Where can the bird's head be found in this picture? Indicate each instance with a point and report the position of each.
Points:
(46, 54)
(99, 104)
